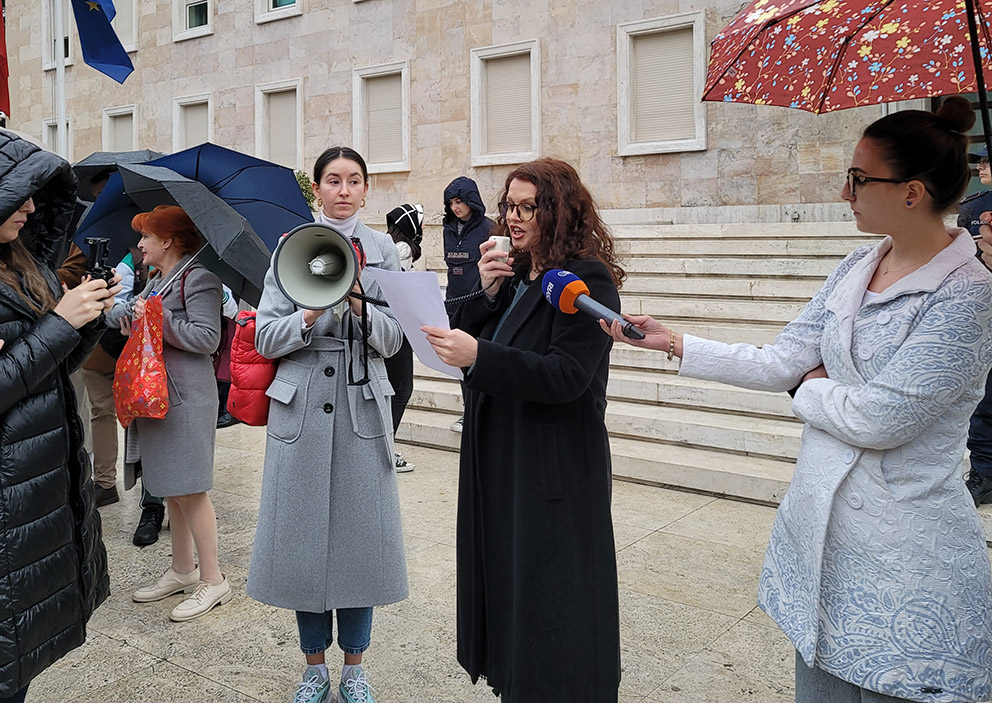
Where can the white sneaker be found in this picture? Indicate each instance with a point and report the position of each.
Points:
(168, 583)
(200, 602)
(456, 426)
(402, 465)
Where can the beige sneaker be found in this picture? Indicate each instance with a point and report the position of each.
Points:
(203, 598)
(169, 583)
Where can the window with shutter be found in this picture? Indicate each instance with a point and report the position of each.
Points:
(661, 86)
(660, 72)
(506, 103)
(384, 118)
(281, 127)
(196, 124)
(507, 82)
(122, 132)
(124, 23)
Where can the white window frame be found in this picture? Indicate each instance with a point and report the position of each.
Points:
(179, 30)
(261, 118)
(68, 22)
(478, 90)
(179, 124)
(625, 44)
(358, 107)
(265, 13)
(110, 112)
(52, 122)
(133, 46)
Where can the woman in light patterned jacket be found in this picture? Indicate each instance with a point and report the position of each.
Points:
(877, 568)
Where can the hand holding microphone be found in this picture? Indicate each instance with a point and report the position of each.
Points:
(566, 292)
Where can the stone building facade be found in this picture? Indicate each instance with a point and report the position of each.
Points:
(765, 162)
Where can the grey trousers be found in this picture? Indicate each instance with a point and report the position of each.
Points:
(817, 686)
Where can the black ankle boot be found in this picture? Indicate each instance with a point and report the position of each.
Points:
(980, 487)
(149, 525)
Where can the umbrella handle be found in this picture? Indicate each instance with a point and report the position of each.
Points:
(179, 272)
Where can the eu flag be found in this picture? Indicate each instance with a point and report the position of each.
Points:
(101, 48)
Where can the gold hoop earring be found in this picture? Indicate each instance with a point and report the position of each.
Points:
(363, 202)
(320, 203)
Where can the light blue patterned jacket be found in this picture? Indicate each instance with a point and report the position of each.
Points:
(877, 569)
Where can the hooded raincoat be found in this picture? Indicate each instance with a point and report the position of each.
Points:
(461, 249)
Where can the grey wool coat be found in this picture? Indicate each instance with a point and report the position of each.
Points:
(177, 452)
(329, 534)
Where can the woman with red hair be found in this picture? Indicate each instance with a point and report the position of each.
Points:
(177, 452)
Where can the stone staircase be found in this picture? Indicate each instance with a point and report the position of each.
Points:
(730, 282)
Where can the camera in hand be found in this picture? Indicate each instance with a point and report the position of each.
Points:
(96, 262)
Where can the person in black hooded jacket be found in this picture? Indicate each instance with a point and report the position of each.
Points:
(54, 571)
(465, 228)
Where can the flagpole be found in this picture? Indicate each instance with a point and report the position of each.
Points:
(62, 138)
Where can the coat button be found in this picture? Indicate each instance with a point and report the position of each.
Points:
(854, 500)
(329, 371)
(883, 317)
(849, 456)
(866, 352)
(328, 408)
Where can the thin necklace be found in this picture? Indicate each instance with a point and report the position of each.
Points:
(903, 268)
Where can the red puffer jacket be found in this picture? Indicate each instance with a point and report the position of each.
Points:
(251, 375)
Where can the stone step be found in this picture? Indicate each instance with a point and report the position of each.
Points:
(763, 436)
(737, 248)
(751, 230)
(748, 477)
(797, 267)
(705, 310)
(433, 390)
(723, 286)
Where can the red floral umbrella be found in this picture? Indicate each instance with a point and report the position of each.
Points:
(833, 54)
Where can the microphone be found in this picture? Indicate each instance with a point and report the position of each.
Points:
(566, 292)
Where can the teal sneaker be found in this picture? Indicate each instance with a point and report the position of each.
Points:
(313, 689)
(356, 689)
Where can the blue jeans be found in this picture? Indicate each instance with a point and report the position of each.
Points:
(354, 630)
(980, 433)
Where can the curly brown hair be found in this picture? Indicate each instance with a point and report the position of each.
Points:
(571, 228)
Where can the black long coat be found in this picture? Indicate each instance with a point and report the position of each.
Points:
(538, 612)
(53, 573)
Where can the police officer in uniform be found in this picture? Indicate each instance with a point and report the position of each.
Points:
(974, 205)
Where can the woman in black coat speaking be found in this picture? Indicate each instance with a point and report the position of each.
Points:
(54, 568)
(537, 579)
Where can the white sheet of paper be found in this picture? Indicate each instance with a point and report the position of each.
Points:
(415, 300)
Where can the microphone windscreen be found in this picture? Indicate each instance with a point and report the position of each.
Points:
(561, 288)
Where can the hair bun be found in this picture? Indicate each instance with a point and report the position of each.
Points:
(957, 114)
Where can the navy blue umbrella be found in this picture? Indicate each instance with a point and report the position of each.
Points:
(264, 193)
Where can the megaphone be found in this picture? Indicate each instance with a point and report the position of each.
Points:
(316, 266)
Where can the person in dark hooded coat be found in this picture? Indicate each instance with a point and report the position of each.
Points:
(537, 596)
(465, 228)
(54, 571)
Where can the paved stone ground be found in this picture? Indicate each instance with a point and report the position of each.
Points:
(688, 567)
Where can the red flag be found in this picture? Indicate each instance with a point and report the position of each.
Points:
(4, 71)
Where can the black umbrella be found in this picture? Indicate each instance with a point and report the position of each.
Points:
(100, 161)
(234, 252)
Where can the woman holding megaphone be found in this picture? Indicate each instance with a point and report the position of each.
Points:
(329, 543)
(538, 611)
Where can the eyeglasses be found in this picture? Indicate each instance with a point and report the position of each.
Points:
(855, 179)
(524, 211)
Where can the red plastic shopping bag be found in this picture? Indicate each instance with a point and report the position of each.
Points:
(140, 388)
